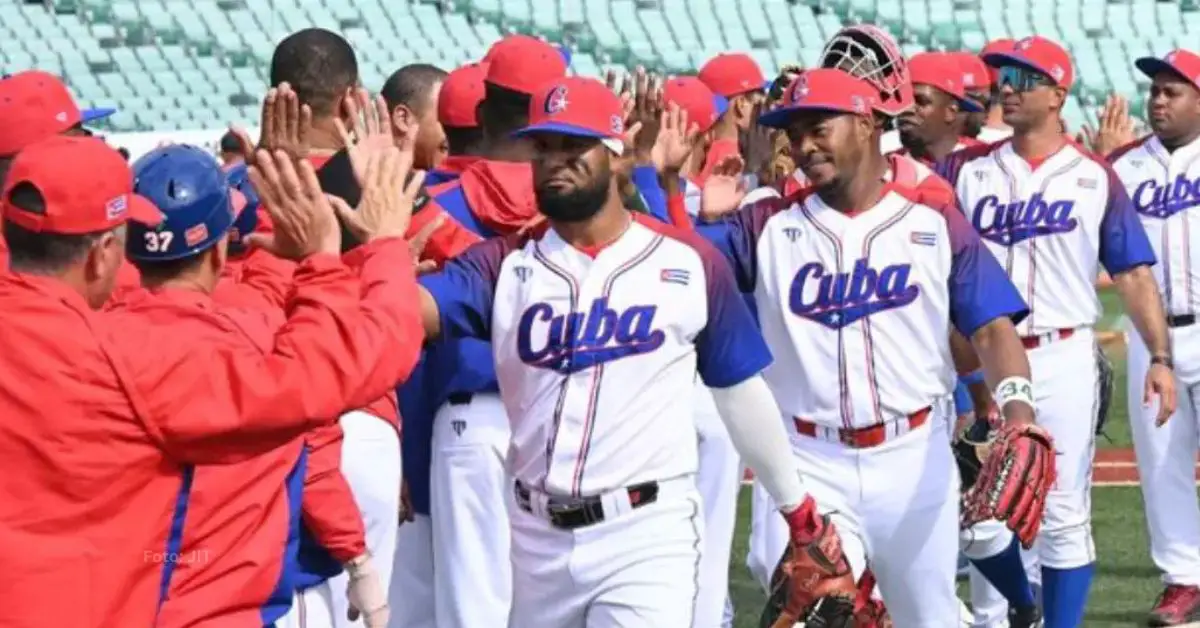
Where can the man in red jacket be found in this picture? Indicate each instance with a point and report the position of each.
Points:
(35, 105)
(320, 70)
(105, 421)
(250, 509)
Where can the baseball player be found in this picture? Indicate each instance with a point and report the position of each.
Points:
(993, 128)
(469, 487)
(1051, 213)
(840, 272)
(1161, 174)
(929, 130)
(735, 77)
(976, 80)
(314, 74)
(411, 93)
(131, 423)
(599, 324)
(249, 509)
(412, 592)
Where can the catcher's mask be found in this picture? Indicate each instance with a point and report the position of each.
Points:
(868, 52)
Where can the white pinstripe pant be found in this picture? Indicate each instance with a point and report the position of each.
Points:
(639, 569)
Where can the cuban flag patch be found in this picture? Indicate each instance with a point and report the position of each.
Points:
(675, 275)
(924, 238)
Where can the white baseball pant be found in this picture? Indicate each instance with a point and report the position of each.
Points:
(470, 496)
(371, 464)
(411, 593)
(1166, 458)
(718, 481)
(1065, 388)
(639, 568)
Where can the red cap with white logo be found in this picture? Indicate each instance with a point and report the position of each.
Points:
(1039, 54)
(1180, 62)
(823, 89)
(579, 107)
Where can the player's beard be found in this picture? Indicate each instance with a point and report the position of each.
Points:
(576, 205)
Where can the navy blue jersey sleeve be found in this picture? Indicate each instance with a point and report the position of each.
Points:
(465, 288)
(730, 349)
(980, 290)
(736, 237)
(645, 179)
(1123, 241)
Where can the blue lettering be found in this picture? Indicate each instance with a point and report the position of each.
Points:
(1163, 201)
(577, 341)
(1020, 220)
(839, 299)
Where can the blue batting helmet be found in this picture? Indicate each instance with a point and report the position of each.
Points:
(189, 188)
(238, 178)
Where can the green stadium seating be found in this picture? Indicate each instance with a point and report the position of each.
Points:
(177, 64)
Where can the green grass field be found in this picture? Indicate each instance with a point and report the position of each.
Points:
(1126, 584)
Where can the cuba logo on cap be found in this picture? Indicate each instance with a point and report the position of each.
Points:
(858, 104)
(800, 89)
(1024, 44)
(556, 100)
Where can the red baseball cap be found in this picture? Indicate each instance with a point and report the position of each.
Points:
(1003, 44)
(87, 187)
(732, 73)
(975, 73)
(690, 94)
(524, 64)
(939, 70)
(580, 107)
(460, 95)
(823, 89)
(1035, 53)
(1182, 63)
(35, 105)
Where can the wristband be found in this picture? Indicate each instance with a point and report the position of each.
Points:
(1013, 388)
(972, 378)
(1164, 360)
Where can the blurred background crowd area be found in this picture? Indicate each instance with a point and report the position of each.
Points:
(172, 66)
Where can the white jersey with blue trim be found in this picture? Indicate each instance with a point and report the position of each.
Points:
(857, 308)
(597, 356)
(1050, 227)
(1165, 189)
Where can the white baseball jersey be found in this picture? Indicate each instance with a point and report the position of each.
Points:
(1165, 189)
(857, 308)
(597, 355)
(1050, 227)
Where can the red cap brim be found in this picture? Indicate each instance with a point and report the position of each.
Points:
(142, 211)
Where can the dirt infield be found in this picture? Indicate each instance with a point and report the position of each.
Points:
(1114, 467)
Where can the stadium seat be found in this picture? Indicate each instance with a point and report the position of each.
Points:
(137, 52)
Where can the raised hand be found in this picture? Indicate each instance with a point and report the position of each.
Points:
(758, 145)
(724, 190)
(674, 142)
(304, 222)
(372, 131)
(285, 125)
(388, 197)
(1116, 127)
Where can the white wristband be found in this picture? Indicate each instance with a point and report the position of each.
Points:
(1013, 389)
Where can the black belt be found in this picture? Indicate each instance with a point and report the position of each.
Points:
(1181, 320)
(568, 513)
(459, 398)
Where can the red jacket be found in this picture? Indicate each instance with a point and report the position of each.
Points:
(253, 508)
(105, 414)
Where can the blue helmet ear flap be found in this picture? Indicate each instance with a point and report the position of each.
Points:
(189, 188)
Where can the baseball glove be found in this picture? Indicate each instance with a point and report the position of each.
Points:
(1017, 474)
(1107, 379)
(971, 449)
(812, 585)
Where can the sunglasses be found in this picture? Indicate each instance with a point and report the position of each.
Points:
(1021, 79)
